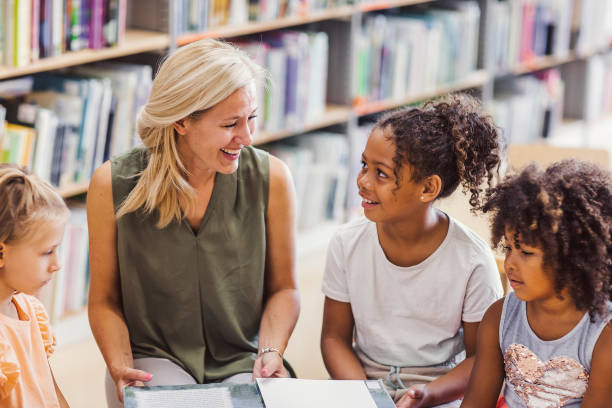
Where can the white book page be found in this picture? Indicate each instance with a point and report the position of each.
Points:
(195, 398)
(295, 393)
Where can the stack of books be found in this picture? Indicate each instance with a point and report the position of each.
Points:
(438, 46)
(63, 126)
(33, 29)
(297, 63)
(318, 163)
(538, 97)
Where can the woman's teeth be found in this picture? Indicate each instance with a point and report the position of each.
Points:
(370, 202)
(230, 151)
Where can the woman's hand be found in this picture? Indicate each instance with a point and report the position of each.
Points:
(132, 377)
(415, 397)
(269, 365)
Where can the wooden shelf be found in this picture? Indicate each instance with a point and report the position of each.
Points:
(262, 26)
(540, 63)
(333, 115)
(284, 22)
(136, 41)
(475, 79)
(74, 189)
(383, 4)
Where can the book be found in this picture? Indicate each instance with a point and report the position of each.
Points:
(371, 393)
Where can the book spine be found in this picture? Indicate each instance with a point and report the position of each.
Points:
(35, 27)
(96, 38)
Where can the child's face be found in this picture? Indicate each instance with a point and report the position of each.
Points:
(382, 200)
(524, 267)
(28, 266)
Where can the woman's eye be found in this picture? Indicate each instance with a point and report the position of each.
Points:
(364, 165)
(526, 252)
(507, 248)
(230, 125)
(252, 117)
(381, 174)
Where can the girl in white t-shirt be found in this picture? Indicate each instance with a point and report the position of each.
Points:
(408, 283)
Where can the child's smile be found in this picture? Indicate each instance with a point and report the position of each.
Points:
(386, 198)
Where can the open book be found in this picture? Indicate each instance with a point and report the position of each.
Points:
(266, 393)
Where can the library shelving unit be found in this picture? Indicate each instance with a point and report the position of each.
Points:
(342, 24)
(136, 41)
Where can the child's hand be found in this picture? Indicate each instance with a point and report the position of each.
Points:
(415, 397)
(128, 376)
(269, 365)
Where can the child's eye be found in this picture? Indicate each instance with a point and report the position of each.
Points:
(381, 174)
(526, 252)
(364, 165)
(230, 126)
(507, 248)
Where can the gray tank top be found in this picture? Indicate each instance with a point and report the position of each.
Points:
(196, 298)
(545, 373)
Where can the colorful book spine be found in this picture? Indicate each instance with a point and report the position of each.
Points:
(96, 23)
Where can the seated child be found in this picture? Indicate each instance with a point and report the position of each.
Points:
(550, 341)
(408, 281)
(32, 221)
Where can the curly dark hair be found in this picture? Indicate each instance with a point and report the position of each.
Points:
(567, 212)
(451, 138)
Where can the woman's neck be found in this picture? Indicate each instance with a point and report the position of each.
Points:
(198, 174)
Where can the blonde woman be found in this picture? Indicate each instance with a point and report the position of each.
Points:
(192, 236)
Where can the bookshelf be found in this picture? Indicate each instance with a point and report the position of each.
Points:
(474, 80)
(342, 110)
(135, 42)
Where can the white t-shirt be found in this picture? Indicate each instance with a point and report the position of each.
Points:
(411, 316)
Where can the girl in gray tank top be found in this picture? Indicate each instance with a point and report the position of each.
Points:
(549, 341)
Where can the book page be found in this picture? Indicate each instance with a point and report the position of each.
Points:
(189, 398)
(294, 393)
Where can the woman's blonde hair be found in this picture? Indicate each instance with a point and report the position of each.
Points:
(190, 81)
(27, 204)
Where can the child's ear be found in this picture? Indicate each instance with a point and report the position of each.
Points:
(432, 186)
(180, 128)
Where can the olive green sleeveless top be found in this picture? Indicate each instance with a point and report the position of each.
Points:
(196, 298)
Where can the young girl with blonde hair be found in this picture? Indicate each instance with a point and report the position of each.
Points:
(32, 221)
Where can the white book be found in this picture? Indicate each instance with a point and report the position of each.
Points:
(275, 103)
(23, 51)
(46, 127)
(9, 32)
(317, 81)
(296, 393)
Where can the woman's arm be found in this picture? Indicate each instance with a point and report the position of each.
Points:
(105, 313)
(599, 391)
(488, 373)
(282, 298)
(450, 386)
(337, 342)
